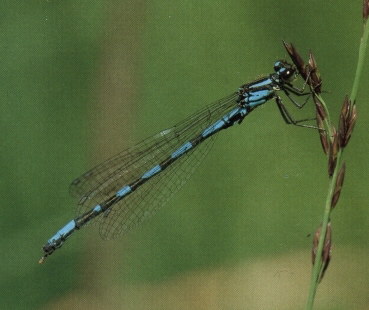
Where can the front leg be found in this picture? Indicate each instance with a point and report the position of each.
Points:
(289, 119)
(298, 105)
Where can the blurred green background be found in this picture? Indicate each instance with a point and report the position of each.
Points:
(82, 80)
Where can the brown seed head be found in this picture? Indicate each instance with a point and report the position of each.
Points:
(322, 133)
(308, 72)
(326, 254)
(319, 108)
(333, 150)
(296, 58)
(315, 80)
(338, 185)
(365, 10)
(327, 251)
(352, 122)
(347, 121)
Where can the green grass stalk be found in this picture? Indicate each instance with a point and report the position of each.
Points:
(317, 268)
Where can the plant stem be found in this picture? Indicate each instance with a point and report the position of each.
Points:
(315, 277)
(326, 216)
(360, 62)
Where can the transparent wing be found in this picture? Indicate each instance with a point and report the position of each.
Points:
(101, 182)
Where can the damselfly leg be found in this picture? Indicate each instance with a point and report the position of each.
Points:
(287, 117)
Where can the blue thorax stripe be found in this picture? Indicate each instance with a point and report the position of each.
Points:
(263, 82)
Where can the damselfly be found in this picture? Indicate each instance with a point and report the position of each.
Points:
(123, 191)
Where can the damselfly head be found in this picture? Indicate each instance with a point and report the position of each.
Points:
(285, 70)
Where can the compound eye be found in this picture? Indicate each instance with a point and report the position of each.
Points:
(278, 66)
(284, 70)
(287, 74)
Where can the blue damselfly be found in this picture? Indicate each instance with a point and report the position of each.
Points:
(123, 191)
